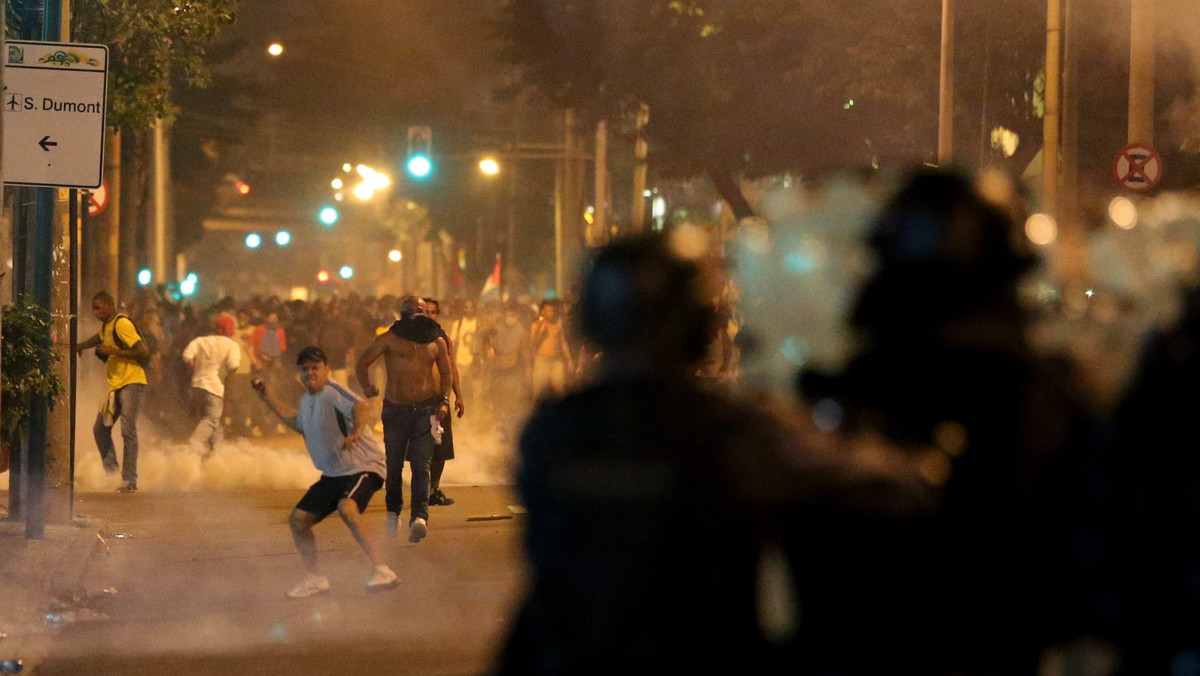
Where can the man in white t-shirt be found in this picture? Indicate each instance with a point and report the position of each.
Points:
(337, 433)
(212, 359)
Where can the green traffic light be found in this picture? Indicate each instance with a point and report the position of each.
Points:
(420, 166)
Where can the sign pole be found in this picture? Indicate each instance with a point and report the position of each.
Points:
(43, 258)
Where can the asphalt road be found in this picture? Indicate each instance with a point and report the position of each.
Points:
(201, 581)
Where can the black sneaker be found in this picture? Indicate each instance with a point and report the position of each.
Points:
(438, 498)
(128, 487)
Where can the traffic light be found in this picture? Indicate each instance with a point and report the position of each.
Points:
(283, 238)
(329, 215)
(420, 152)
(323, 276)
(145, 277)
(253, 240)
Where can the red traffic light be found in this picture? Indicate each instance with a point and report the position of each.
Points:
(323, 276)
(243, 187)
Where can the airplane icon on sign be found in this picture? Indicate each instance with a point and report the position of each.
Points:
(14, 102)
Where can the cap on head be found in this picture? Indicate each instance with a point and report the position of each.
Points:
(312, 353)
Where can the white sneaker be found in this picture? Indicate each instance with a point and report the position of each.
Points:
(417, 530)
(383, 578)
(393, 524)
(313, 584)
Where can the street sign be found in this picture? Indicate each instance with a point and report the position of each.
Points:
(1138, 167)
(54, 104)
(97, 200)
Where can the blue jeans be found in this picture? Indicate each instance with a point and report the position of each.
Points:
(129, 400)
(208, 431)
(406, 436)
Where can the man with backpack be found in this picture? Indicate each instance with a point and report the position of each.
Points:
(120, 346)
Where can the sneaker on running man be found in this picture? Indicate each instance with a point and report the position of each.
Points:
(437, 497)
(313, 584)
(383, 578)
(417, 530)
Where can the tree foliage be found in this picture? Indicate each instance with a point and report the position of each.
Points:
(150, 42)
(748, 87)
(26, 363)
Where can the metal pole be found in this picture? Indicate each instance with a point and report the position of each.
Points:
(559, 171)
(600, 222)
(1050, 124)
(160, 204)
(640, 152)
(1069, 170)
(946, 84)
(75, 226)
(43, 256)
(1141, 71)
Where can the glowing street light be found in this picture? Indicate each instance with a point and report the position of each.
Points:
(283, 238)
(364, 191)
(323, 276)
(346, 272)
(347, 168)
(337, 184)
(145, 277)
(394, 255)
(253, 240)
(275, 49)
(489, 166)
(328, 215)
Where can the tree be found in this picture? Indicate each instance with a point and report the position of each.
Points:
(740, 87)
(153, 45)
(150, 41)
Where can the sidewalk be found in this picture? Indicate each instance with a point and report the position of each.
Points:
(38, 577)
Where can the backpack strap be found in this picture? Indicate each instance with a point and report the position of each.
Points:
(117, 335)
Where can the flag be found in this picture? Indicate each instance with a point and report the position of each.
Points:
(491, 288)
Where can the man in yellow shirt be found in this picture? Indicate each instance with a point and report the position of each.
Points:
(120, 346)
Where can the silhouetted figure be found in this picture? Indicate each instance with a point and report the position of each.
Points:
(653, 501)
(983, 582)
(1160, 550)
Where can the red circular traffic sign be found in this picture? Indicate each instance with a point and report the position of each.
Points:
(97, 200)
(1138, 167)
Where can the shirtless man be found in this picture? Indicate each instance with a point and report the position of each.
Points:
(411, 404)
(551, 355)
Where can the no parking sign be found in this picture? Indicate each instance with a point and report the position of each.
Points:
(1138, 167)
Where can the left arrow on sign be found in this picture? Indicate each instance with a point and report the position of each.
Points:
(46, 143)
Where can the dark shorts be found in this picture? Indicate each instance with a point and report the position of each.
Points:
(445, 450)
(323, 497)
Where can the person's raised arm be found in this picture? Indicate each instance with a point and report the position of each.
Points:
(286, 413)
(362, 368)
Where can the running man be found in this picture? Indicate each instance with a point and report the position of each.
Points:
(337, 433)
(412, 405)
(121, 347)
